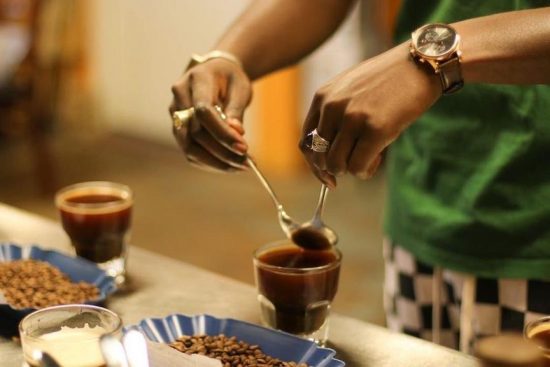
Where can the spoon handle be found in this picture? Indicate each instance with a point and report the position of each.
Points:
(321, 203)
(252, 165)
(264, 182)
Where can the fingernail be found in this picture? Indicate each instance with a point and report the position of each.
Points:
(240, 147)
(234, 121)
(237, 126)
(329, 180)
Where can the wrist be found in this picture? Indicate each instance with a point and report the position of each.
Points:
(437, 46)
(422, 75)
(214, 54)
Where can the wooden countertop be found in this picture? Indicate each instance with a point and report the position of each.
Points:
(161, 286)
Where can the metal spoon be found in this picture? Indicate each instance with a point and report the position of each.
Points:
(44, 359)
(315, 234)
(288, 224)
(135, 347)
(113, 351)
(312, 235)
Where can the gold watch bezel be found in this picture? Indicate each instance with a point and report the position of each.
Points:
(415, 52)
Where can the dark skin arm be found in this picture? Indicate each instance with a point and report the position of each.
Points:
(364, 109)
(273, 34)
(269, 35)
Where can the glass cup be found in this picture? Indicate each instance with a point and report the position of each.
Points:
(68, 333)
(538, 331)
(96, 216)
(296, 288)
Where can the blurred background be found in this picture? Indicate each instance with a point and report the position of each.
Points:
(84, 93)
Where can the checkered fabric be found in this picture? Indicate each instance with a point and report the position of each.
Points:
(499, 304)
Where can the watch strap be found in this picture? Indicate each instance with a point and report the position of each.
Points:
(450, 75)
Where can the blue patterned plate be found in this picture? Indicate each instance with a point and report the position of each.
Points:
(275, 343)
(77, 268)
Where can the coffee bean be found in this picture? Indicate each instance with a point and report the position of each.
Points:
(38, 284)
(230, 351)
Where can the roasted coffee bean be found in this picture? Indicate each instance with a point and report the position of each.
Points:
(230, 351)
(37, 284)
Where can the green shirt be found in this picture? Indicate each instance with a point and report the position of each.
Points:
(469, 182)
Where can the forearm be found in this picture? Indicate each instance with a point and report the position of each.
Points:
(509, 48)
(272, 34)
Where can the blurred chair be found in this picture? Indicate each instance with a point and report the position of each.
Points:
(31, 33)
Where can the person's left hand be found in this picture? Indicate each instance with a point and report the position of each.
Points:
(361, 111)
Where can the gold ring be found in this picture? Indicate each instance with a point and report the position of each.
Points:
(181, 118)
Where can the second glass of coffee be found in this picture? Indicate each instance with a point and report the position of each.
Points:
(96, 216)
(296, 288)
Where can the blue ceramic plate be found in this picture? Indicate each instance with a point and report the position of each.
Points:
(78, 269)
(277, 344)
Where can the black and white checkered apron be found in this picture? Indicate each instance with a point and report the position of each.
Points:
(477, 307)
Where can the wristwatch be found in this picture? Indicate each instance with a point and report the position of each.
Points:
(437, 46)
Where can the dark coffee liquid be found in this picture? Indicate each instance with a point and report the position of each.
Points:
(97, 236)
(293, 293)
(310, 239)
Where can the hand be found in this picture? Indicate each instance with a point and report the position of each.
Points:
(363, 110)
(208, 141)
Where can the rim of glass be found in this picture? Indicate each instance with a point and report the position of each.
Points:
(534, 323)
(287, 243)
(116, 317)
(125, 193)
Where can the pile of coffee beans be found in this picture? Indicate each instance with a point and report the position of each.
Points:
(230, 351)
(37, 284)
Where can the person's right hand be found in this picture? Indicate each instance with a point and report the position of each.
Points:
(207, 140)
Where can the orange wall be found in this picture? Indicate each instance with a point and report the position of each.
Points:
(277, 116)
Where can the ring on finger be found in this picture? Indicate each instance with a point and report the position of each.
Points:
(181, 118)
(318, 143)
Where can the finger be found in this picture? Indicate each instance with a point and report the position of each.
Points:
(373, 167)
(236, 125)
(238, 97)
(310, 123)
(340, 151)
(214, 148)
(200, 158)
(329, 123)
(323, 176)
(365, 152)
(312, 119)
(204, 97)
(181, 96)
(220, 129)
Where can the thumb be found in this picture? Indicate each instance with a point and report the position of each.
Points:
(238, 97)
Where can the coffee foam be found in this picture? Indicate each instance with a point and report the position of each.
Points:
(73, 347)
(124, 202)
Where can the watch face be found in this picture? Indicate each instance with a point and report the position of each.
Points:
(435, 40)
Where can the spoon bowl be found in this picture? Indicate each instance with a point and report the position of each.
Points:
(288, 225)
(315, 234)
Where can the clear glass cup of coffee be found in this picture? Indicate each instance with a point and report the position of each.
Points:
(70, 334)
(97, 216)
(296, 288)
